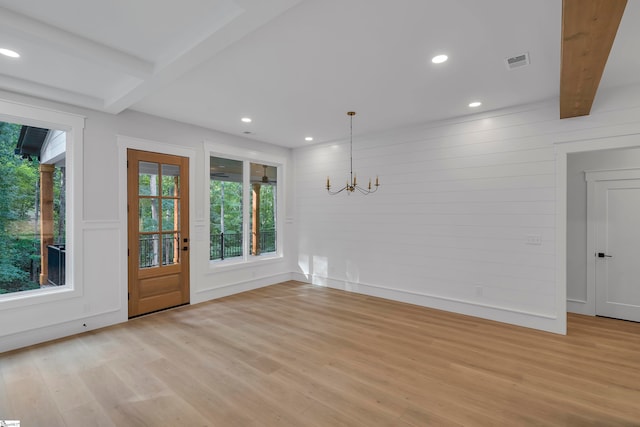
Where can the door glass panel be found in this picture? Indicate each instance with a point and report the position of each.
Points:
(149, 250)
(147, 179)
(148, 215)
(159, 214)
(170, 248)
(170, 215)
(170, 180)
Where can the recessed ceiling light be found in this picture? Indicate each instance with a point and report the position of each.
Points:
(10, 53)
(475, 104)
(439, 59)
(246, 119)
(309, 138)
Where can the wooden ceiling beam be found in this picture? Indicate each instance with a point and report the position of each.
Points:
(589, 28)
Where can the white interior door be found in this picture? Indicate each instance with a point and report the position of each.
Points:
(617, 256)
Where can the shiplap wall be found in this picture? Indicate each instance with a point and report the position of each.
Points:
(450, 223)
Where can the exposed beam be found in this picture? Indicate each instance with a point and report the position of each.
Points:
(589, 28)
(240, 18)
(28, 87)
(72, 44)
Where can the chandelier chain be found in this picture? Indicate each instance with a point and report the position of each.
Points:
(352, 185)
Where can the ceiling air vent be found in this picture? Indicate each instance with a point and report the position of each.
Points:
(517, 61)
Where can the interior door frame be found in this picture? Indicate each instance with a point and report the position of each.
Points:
(592, 178)
(172, 269)
(196, 222)
(627, 136)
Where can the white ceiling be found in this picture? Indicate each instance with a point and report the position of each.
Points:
(294, 66)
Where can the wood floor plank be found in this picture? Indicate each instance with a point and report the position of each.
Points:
(295, 355)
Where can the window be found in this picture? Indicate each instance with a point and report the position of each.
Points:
(32, 208)
(225, 211)
(242, 209)
(61, 150)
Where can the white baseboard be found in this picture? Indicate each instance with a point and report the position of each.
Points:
(579, 307)
(60, 330)
(78, 326)
(533, 320)
(501, 314)
(236, 288)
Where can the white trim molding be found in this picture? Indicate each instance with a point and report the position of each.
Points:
(125, 143)
(246, 156)
(627, 138)
(73, 125)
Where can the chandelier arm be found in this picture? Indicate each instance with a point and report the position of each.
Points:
(333, 193)
(364, 190)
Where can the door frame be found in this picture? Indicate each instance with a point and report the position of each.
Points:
(621, 137)
(592, 178)
(124, 143)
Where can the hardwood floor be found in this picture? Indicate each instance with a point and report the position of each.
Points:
(298, 355)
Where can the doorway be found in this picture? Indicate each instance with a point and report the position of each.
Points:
(158, 231)
(579, 165)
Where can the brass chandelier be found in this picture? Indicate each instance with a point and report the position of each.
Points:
(352, 185)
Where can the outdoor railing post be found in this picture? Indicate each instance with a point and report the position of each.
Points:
(221, 246)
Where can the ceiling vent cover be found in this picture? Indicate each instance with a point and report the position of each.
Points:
(518, 61)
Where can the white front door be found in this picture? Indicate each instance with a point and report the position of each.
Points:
(617, 243)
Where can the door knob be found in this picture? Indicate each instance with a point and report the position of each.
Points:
(603, 255)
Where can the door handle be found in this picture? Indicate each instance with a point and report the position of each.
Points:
(603, 255)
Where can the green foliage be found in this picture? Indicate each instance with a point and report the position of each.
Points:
(226, 212)
(18, 178)
(225, 197)
(268, 207)
(26, 174)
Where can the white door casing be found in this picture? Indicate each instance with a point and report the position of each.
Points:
(613, 255)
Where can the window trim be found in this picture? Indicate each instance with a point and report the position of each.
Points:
(73, 125)
(247, 156)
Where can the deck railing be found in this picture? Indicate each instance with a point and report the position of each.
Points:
(149, 250)
(222, 246)
(229, 245)
(56, 259)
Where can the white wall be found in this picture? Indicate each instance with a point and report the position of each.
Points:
(101, 227)
(53, 148)
(577, 164)
(458, 202)
(447, 229)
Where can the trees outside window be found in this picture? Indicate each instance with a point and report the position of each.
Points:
(262, 221)
(20, 213)
(225, 198)
(237, 232)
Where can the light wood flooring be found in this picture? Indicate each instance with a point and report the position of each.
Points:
(298, 355)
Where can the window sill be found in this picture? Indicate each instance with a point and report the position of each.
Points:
(233, 264)
(36, 296)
